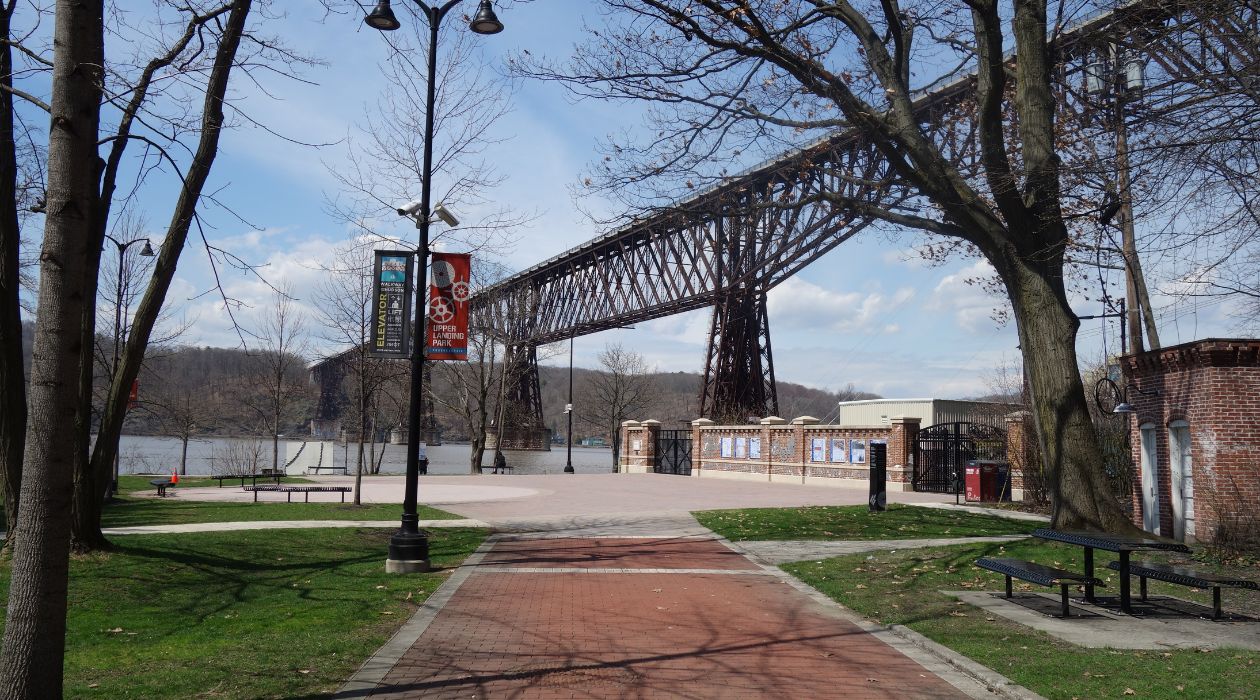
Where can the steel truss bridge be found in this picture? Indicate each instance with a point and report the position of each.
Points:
(726, 247)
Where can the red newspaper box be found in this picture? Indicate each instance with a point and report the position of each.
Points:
(971, 481)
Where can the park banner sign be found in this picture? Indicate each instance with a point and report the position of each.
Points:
(449, 292)
(390, 335)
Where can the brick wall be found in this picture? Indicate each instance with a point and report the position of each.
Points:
(1213, 385)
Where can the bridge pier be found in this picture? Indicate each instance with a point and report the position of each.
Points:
(523, 426)
(739, 367)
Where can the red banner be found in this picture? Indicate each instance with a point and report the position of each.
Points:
(449, 292)
(133, 397)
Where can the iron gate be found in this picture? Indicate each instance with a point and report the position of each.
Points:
(942, 450)
(673, 452)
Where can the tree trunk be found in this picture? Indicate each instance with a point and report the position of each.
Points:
(12, 374)
(183, 456)
(275, 444)
(32, 656)
(1072, 459)
(150, 307)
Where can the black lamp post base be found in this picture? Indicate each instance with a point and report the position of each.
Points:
(408, 553)
(568, 469)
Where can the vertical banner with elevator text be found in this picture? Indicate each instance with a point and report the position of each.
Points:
(391, 304)
(449, 292)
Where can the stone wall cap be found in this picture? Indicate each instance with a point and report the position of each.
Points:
(773, 420)
(649, 422)
(804, 420)
(1017, 416)
(629, 423)
(702, 422)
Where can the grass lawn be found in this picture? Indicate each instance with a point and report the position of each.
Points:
(130, 510)
(903, 588)
(855, 523)
(263, 614)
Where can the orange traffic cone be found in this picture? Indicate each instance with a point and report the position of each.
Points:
(174, 477)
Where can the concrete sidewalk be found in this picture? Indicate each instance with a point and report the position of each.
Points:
(625, 616)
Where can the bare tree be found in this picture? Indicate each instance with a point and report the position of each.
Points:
(32, 654)
(471, 391)
(622, 388)
(347, 312)
(279, 366)
(728, 81)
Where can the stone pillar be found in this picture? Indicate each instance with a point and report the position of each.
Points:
(1017, 439)
(697, 444)
(766, 442)
(802, 447)
(630, 431)
(651, 430)
(901, 439)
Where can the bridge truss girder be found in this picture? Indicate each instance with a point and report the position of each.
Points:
(795, 209)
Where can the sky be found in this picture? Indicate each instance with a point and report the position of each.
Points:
(871, 313)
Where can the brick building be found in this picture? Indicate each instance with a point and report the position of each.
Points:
(1196, 438)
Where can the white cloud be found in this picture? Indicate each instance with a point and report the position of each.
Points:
(970, 303)
(799, 304)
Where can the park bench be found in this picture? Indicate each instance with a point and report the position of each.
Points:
(1037, 573)
(502, 469)
(1185, 576)
(345, 471)
(253, 478)
(161, 485)
(288, 491)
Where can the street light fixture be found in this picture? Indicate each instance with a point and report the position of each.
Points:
(119, 331)
(409, 546)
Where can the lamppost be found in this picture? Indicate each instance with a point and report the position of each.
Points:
(119, 331)
(409, 547)
(568, 410)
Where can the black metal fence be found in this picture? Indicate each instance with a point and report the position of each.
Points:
(941, 452)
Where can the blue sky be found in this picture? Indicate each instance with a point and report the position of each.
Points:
(870, 313)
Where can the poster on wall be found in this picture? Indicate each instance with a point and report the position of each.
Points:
(857, 451)
(390, 333)
(449, 292)
(818, 450)
(754, 448)
(727, 451)
(741, 448)
(839, 450)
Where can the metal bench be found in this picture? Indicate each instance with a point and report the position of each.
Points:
(288, 491)
(1185, 576)
(501, 469)
(161, 485)
(1036, 573)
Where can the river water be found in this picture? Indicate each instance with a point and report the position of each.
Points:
(160, 455)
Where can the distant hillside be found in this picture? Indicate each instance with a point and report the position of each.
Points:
(678, 398)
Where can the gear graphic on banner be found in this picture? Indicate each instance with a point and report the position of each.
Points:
(441, 310)
(443, 274)
(462, 291)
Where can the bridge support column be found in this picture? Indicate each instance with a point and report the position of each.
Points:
(739, 368)
(523, 426)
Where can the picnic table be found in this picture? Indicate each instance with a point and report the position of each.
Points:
(253, 478)
(1120, 544)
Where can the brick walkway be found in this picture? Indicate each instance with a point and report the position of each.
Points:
(639, 618)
